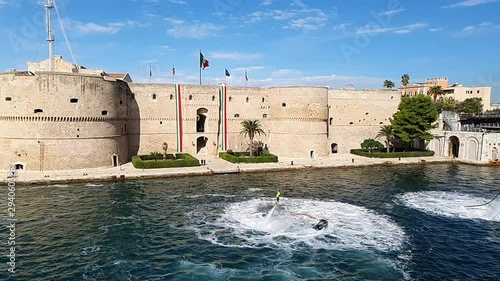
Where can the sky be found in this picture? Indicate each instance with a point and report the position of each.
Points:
(277, 42)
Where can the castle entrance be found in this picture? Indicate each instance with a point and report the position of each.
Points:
(201, 145)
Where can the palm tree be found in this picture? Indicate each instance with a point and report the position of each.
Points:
(250, 128)
(405, 79)
(388, 84)
(387, 132)
(435, 91)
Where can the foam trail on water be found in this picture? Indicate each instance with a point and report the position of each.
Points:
(257, 223)
(451, 204)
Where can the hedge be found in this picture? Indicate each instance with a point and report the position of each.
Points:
(180, 160)
(380, 154)
(242, 157)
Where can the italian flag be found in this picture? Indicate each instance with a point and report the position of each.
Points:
(203, 62)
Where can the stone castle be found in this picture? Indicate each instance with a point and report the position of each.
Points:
(73, 118)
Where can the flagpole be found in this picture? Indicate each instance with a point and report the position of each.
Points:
(200, 67)
(245, 77)
(173, 74)
(150, 74)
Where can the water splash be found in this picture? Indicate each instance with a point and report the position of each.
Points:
(451, 204)
(257, 224)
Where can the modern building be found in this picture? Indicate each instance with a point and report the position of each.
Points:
(456, 91)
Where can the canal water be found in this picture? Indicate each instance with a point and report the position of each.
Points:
(385, 223)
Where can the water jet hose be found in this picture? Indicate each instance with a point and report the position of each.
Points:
(474, 206)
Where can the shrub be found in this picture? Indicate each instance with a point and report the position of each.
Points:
(172, 161)
(372, 145)
(382, 154)
(242, 157)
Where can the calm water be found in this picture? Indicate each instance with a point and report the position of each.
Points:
(386, 223)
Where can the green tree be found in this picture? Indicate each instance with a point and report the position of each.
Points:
(472, 105)
(388, 84)
(250, 128)
(371, 144)
(446, 104)
(405, 79)
(416, 116)
(387, 132)
(435, 92)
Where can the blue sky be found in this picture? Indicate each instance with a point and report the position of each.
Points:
(324, 43)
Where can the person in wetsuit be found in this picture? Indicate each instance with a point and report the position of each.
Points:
(278, 194)
(322, 224)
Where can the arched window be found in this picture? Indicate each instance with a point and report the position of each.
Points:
(154, 96)
(73, 100)
(247, 99)
(104, 113)
(190, 97)
(213, 98)
(236, 115)
(171, 97)
(8, 99)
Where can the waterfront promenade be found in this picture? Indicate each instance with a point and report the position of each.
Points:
(213, 166)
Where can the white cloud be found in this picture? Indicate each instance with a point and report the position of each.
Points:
(435, 29)
(468, 28)
(195, 30)
(299, 17)
(267, 2)
(286, 72)
(469, 3)
(485, 24)
(396, 30)
(182, 2)
(250, 68)
(96, 28)
(391, 12)
(234, 56)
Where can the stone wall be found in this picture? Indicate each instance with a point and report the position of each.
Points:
(62, 121)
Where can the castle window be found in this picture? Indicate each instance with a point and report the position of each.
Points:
(230, 98)
(236, 115)
(247, 99)
(367, 113)
(73, 100)
(478, 91)
(171, 97)
(8, 99)
(190, 97)
(213, 98)
(381, 123)
(161, 122)
(77, 136)
(283, 104)
(121, 102)
(264, 115)
(351, 123)
(104, 112)
(38, 110)
(263, 99)
(331, 121)
(154, 96)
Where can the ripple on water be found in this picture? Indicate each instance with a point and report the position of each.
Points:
(258, 223)
(451, 204)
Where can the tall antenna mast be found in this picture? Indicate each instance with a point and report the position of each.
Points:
(50, 35)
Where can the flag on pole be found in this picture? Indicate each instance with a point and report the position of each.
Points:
(150, 71)
(203, 62)
(227, 73)
(246, 75)
(173, 70)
